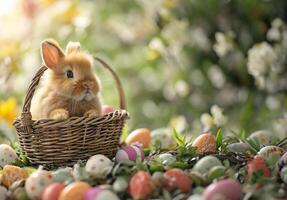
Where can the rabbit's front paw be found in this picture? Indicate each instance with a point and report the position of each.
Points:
(59, 114)
(91, 113)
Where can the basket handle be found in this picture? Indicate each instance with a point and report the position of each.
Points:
(26, 116)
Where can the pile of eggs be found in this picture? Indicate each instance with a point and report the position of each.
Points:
(93, 181)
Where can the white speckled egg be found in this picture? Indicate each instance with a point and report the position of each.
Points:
(7, 155)
(166, 158)
(3, 193)
(129, 153)
(206, 163)
(271, 153)
(37, 182)
(98, 166)
(97, 193)
(163, 137)
(263, 137)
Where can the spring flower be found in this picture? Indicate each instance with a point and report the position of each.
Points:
(216, 118)
(261, 58)
(224, 43)
(8, 110)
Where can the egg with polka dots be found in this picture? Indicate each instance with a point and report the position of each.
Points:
(98, 166)
(37, 182)
(7, 155)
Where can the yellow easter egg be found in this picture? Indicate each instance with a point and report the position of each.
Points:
(205, 143)
(139, 136)
(12, 174)
(75, 191)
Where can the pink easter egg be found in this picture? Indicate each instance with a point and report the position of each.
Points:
(129, 153)
(97, 193)
(107, 109)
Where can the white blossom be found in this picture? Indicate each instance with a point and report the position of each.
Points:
(224, 44)
(216, 118)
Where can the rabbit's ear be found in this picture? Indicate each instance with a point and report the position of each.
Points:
(52, 54)
(73, 47)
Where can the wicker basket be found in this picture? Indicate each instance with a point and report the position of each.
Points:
(48, 141)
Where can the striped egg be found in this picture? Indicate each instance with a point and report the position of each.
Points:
(129, 153)
(97, 193)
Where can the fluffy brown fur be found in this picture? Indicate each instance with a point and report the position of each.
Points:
(62, 96)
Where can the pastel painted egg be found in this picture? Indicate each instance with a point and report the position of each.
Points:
(130, 153)
(206, 163)
(177, 179)
(205, 143)
(12, 174)
(75, 191)
(121, 184)
(97, 193)
(63, 175)
(162, 137)
(216, 172)
(257, 163)
(98, 166)
(271, 154)
(283, 174)
(239, 147)
(224, 189)
(166, 158)
(7, 155)
(262, 137)
(141, 185)
(53, 191)
(20, 194)
(283, 161)
(140, 136)
(107, 109)
(37, 182)
(3, 193)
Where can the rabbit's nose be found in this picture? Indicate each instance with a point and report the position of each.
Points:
(86, 85)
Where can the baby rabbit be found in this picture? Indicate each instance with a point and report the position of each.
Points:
(71, 88)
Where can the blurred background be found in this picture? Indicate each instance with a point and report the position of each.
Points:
(189, 64)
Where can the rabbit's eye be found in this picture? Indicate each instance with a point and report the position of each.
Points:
(70, 74)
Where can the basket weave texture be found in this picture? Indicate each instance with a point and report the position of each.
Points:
(63, 142)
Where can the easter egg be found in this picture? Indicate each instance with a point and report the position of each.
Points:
(257, 163)
(7, 155)
(162, 137)
(271, 154)
(75, 191)
(98, 166)
(139, 136)
(205, 143)
(37, 182)
(195, 197)
(283, 161)
(97, 193)
(53, 191)
(141, 185)
(283, 174)
(121, 184)
(20, 194)
(224, 189)
(3, 193)
(107, 109)
(12, 174)
(216, 172)
(262, 137)
(129, 153)
(206, 163)
(166, 158)
(177, 179)
(238, 147)
(63, 175)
